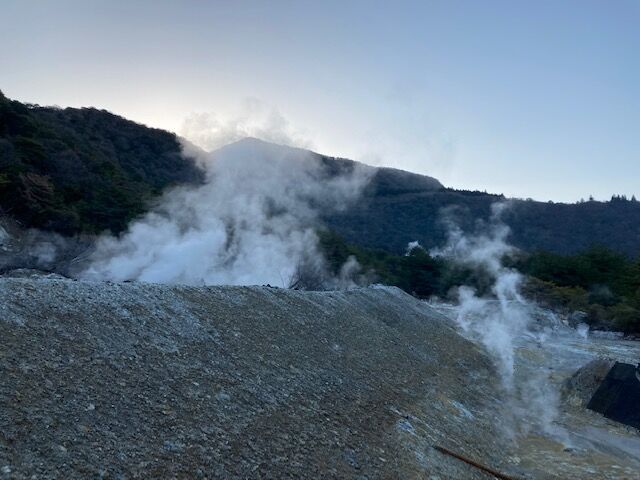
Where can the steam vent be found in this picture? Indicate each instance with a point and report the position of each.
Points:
(618, 396)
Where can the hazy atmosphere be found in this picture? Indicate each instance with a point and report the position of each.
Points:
(511, 97)
(246, 240)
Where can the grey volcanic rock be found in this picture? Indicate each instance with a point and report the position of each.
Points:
(581, 386)
(104, 380)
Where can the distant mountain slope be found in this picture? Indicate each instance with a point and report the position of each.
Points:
(72, 170)
(384, 181)
(399, 207)
(569, 228)
(87, 170)
(391, 220)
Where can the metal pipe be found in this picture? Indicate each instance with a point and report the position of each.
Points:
(473, 463)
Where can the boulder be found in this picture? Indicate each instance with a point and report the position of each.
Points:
(618, 396)
(580, 387)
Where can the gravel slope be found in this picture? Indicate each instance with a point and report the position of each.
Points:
(135, 380)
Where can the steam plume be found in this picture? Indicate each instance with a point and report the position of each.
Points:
(498, 321)
(252, 222)
(495, 324)
(253, 118)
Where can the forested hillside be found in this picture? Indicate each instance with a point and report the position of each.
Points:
(82, 170)
(390, 220)
(86, 170)
(601, 285)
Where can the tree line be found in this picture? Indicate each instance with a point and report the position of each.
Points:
(601, 283)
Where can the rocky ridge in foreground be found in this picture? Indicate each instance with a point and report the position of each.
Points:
(138, 381)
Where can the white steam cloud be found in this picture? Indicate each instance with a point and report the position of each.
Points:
(497, 321)
(254, 118)
(411, 246)
(252, 222)
(495, 324)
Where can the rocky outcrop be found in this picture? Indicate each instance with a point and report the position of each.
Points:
(148, 381)
(580, 387)
(22, 248)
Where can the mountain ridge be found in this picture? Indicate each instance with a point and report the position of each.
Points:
(87, 170)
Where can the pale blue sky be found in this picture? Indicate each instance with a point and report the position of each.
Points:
(532, 99)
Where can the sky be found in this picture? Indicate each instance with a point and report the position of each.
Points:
(536, 99)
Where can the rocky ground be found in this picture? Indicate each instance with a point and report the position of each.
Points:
(135, 380)
(557, 370)
(586, 445)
